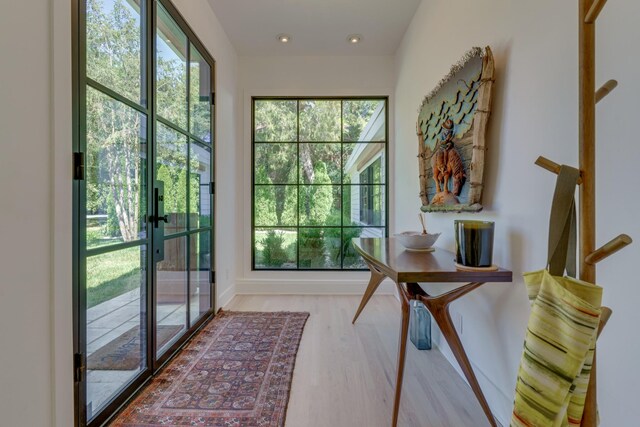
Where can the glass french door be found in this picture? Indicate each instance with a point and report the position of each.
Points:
(143, 196)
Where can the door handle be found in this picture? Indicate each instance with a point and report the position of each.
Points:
(156, 219)
(158, 206)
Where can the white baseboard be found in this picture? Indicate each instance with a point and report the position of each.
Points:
(225, 297)
(308, 287)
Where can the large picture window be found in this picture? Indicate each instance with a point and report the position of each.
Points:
(319, 180)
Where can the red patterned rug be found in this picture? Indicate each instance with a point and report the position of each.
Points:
(235, 373)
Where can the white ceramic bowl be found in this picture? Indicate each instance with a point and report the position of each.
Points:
(416, 241)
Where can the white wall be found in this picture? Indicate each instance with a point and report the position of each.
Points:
(302, 76)
(35, 189)
(25, 253)
(534, 113)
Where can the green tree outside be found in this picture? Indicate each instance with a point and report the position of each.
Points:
(304, 137)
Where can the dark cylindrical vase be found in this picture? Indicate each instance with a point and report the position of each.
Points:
(474, 243)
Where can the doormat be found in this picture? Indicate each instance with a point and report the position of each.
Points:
(124, 352)
(236, 372)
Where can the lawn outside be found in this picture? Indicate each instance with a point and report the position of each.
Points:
(111, 274)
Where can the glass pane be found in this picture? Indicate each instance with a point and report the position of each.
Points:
(364, 120)
(320, 120)
(114, 46)
(115, 171)
(275, 163)
(171, 70)
(351, 259)
(275, 121)
(319, 248)
(171, 168)
(200, 96)
(200, 265)
(171, 293)
(275, 248)
(368, 159)
(320, 205)
(200, 189)
(116, 324)
(320, 163)
(275, 205)
(364, 205)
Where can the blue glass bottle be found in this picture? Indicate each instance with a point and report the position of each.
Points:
(420, 326)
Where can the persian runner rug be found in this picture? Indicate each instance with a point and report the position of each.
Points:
(236, 372)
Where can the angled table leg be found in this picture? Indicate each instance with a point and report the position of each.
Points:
(402, 352)
(376, 278)
(439, 308)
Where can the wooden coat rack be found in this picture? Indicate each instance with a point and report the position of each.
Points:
(589, 256)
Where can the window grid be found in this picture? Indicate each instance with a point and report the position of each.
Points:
(382, 226)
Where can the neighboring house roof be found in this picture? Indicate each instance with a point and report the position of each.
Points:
(373, 131)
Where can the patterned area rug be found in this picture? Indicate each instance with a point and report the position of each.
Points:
(236, 372)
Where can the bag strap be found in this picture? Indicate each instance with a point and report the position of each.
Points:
(562, 224)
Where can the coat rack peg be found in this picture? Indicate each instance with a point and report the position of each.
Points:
(605, 90)
(604, 318)
(595, 10)
(608, 249)
(551, 166)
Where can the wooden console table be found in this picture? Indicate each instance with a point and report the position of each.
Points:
(387, 258)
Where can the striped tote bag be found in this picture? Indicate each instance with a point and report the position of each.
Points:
(561, 333)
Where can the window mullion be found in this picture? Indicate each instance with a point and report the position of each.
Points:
(297, 162)
(342, 245)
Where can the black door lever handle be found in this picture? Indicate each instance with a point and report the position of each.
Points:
(156, 219)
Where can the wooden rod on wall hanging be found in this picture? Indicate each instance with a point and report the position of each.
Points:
(588, 12)
(608, 249)
(605, 89)
(594, 11)
(604, 318)
(551, 166)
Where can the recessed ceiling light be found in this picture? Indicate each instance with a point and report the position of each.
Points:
(284, 38)
(354, 38)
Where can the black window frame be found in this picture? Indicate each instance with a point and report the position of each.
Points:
(369, 199)
(384, 184)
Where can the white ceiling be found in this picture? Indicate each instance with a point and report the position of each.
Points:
(318, 27)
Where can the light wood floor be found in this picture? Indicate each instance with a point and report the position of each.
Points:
(345, 374)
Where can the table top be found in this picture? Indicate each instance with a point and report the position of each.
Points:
(390, 257)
